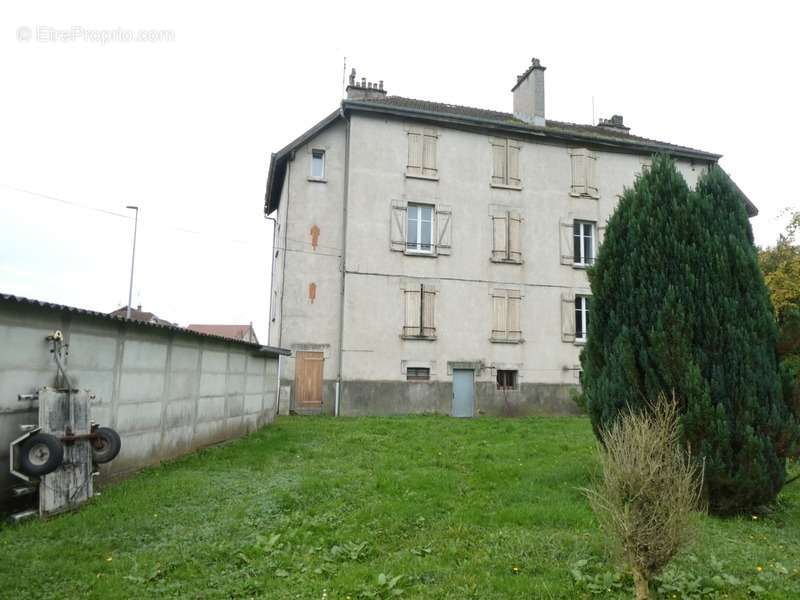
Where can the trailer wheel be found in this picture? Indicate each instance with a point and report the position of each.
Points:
(41, 454)
(106, 445)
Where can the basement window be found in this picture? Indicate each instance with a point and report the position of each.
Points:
(418, 374)
(506, 379)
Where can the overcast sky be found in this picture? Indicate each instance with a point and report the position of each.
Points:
(183, 125)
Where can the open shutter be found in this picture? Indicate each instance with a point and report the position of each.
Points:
(578, 157)
(514, 237)
(397, 226)
(428, 312)
(566, 239)
(429, 154)
(499, 315)
(444, 228)
(591, 174)
(499, 163)
(499, 237)
(568, 316)
(513, 164)
(601, 234)
(411, 307)
(415, 152)
(514, 302)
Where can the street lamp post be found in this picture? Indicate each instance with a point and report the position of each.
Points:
(133, 259)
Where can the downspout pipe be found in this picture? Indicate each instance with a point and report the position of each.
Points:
(343, 262)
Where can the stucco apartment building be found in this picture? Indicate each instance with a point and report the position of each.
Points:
(432, 258)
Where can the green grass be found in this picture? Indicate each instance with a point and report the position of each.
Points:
(311, 504)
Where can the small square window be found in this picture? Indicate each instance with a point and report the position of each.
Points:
(318, 164)
(418, 374)
(506, 380)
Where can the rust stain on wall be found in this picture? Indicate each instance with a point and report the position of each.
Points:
(312, 292)
(314, 236)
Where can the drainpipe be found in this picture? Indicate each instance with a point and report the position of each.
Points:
(271, 281)
(343, 261)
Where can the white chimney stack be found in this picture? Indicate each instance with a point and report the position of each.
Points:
(529, 95)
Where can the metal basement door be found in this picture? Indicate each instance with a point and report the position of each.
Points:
(463, 392)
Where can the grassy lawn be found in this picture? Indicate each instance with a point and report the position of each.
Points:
(483, 508)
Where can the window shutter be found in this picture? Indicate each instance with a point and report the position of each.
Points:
(513, 164)
(429, 154)
(415, 152)
(514, 303)
(397, 226)
(568, 316)
(411, 322)
(514, 237)
(601, 234)
(566, 237)
(499, 315)
(444, 228)
(591, 174)
(578, 172)
(499, 237)
(428, 312)
(499, 163)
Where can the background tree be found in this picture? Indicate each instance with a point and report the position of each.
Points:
(679, 305)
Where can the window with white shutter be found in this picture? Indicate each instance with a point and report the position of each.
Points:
(420, 228)
(583, 243)
(568, 316)
(581, 318)
(584, 173)
(506, 305)
(419, 308)
(505, 163)
(506, 237)
(422, 150)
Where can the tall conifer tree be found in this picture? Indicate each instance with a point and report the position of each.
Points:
(679, 305)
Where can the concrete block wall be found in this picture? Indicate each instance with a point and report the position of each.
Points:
(166, 391)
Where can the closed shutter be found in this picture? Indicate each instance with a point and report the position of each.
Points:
(429, 154)
(578, 172)
(513, 321)
(499, 315)
(568, 316)
(411, 307)
(499, 174)
(499, 237)
(444, 228)
(415, 152)
(397, 226)
(591, 175)
(513, 164)
(566, 242)
(514, 237)
(428, 312)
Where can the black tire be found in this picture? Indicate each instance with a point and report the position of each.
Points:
(41, 454)
(106, 445)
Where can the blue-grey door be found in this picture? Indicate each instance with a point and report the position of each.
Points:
(463, 392)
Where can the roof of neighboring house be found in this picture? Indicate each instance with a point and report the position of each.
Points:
(467, 117)
(20, 300)
(236, 332)
(137, 314)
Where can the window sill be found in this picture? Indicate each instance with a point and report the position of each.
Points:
(421, 338)
(420, 253)
(581, 266)
(502, 341)
(426, 177)
(507, 389)
(501, 186)
(580, 342)
(591, 196)
(318, 179)
(506, 261)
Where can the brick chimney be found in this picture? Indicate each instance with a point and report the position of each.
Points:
(364, 90)
(614, 122)
(529, 95)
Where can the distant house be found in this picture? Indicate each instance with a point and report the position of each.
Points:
(137, 314)
(235, 332)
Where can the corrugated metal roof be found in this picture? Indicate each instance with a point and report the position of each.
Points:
(12, 299)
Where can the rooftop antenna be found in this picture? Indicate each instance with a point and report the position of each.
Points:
(344, 73)
(593, 116)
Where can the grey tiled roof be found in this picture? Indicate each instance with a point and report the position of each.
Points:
(494, 117)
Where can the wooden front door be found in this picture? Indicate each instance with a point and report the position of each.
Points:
(308, 379)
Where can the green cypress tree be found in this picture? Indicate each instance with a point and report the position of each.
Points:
(679, 306)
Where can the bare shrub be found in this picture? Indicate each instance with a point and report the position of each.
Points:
(649, 497)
